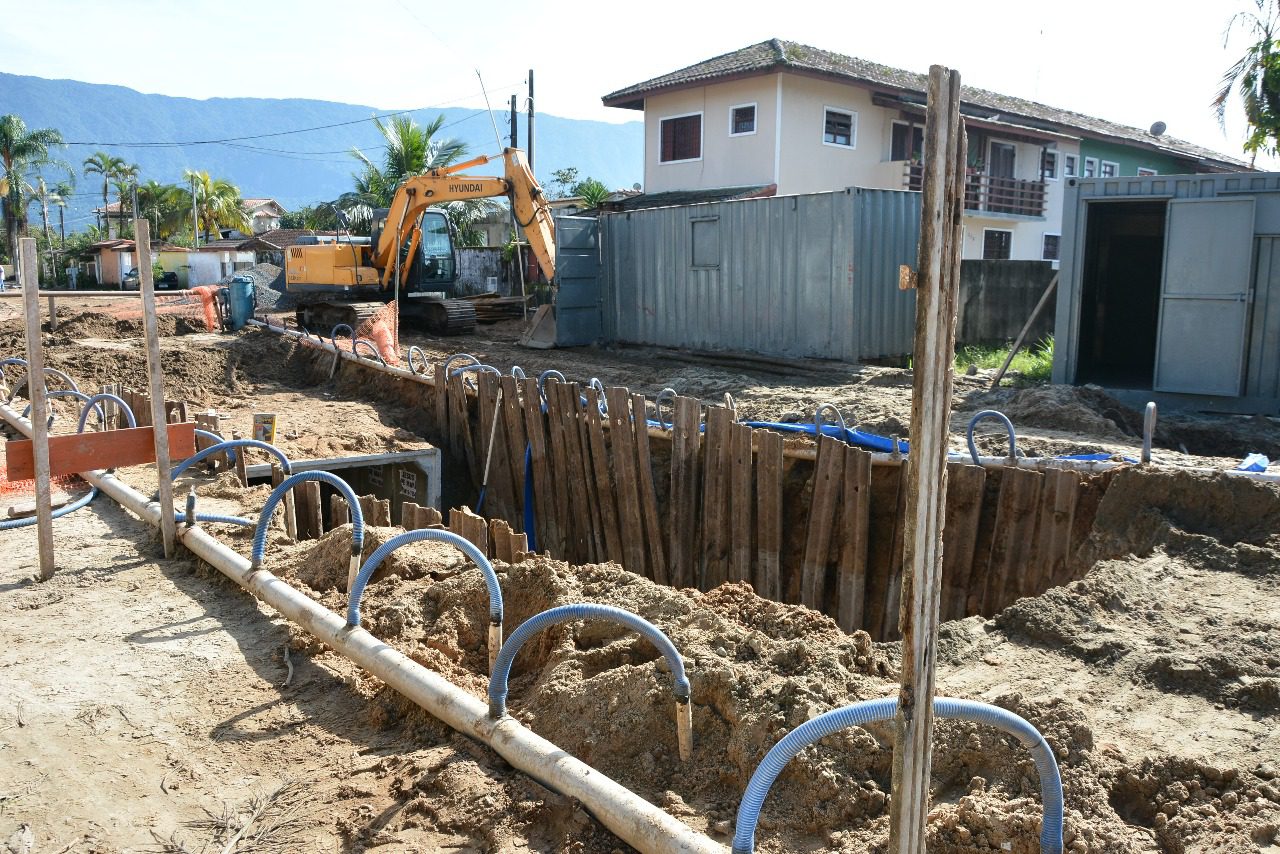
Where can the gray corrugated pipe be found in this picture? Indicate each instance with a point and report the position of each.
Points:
(629, 816)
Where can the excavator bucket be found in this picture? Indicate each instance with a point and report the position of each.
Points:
(541, 334)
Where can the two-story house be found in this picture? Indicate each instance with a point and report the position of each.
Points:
(781, 117)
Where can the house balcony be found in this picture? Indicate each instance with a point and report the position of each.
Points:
(991, 194)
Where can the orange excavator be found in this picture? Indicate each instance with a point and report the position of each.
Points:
(410, 254)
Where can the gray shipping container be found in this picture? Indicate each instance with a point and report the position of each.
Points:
(811, 275)
(1170, 289)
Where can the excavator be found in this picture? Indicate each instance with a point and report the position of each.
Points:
(409, 255)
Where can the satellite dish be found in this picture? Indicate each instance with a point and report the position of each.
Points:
(1159, 128)
(636, 186)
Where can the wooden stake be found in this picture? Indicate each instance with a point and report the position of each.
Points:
(142, 239)
(29, 275)
(938, 270)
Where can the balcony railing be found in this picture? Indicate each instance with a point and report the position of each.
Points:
(990, 193)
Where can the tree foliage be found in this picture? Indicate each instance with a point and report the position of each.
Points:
(1256, 78)
(23, 153)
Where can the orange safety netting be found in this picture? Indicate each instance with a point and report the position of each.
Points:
(208, 295)
(382, 329)
(28, 487)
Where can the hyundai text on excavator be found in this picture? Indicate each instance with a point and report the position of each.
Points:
(410, 252)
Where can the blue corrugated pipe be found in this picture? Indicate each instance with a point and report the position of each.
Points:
(207, 434)
(872, 711)
(231, 443)
(190, 517)
(124, 407)
(438, 536)
(78, 395)
(10, 524)
(448, 363)
(518, 372)
(14, 360)
(1008, 425)
(530, 517)
(277, 494)
(498, 686)
(333, 336)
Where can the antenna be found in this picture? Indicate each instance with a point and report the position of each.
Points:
(496, 137)
(1159, 128)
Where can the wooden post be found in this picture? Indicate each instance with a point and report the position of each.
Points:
(29, 276)
(938, 275)
(53, 315)
(150, 329)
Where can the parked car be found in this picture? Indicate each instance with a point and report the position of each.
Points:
(166, 281)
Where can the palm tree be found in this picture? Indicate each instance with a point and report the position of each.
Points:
(165, 205)
(21, 151)
(61, 193)
(106, 165)
(43, 196)
(218, 203)
(123, 180)
(1256, 77)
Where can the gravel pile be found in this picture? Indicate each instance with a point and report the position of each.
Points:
(268, 283)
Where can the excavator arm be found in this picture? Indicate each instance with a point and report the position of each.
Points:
(445, 185)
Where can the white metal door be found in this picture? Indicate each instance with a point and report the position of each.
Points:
(1204, 297)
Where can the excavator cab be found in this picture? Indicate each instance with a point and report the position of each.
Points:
(434, 267)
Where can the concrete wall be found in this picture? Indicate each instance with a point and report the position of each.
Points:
(476, 265)
(997, 297)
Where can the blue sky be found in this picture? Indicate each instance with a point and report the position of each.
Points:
(1124, 60)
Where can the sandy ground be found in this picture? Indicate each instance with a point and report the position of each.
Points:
(146, 708)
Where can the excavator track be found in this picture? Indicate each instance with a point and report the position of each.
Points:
(439, 317)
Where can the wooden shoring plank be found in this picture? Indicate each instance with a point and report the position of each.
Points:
(430, 517)
(460, 426)
(683, 509)
(886, 483)
(513, 435)
(302, 503)
(559, 477)
(471, 527)
(715, 498)
(828, 475)
(622, 449)
(1033, 577)
(965, 488)
(502, 471)
(656, 554)
(41, 452)
(409, 515)
(242, 463)
(1011, 543)
(975, 603)
(71, 453)
(500, 540)
(111, 410)
(211, 422)
(339, 512)
(894, 601)
(606, 489)
(546, 497)
(769, 472)
(442, 435)
(1058, 547)
(742, 503)
(855, 518)
(288, 503)
(577, 519)
(596, 543)
(315, 510)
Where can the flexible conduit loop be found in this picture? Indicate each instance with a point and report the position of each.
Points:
(78, 395)
(542, 381)
(426, 365)
(665, 394)
(498, 685)
(222, 446)
(731, 405)
(14, 360)
(124, 407)
(277, 495)
(206, 434)
(470, 360)
(435, 535)
(82, 501)
(518, 372)
(190, 517)
(873, 711)
(1148, 430)
(820, 420)
(601, 403)
(333, 336)
(1008, 425)
(372, 348)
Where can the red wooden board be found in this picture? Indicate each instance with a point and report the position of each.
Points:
(77, 452)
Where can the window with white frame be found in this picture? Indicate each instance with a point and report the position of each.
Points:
(742, 120)
(1071, 165)
(1049, 165)
(680, 138)
(997, 244)
(1091, 167)
(1146, 172)
(1049, 247)
(1109, 169)
(907, 142)
(840, 127)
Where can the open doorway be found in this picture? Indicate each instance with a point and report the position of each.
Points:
(1120, 294)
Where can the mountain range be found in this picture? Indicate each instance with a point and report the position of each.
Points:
(295, 169)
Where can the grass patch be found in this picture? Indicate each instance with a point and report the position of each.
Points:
(1033, 364)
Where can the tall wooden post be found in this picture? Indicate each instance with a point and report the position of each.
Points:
(151, 330)
(29, 277)
(938, 278)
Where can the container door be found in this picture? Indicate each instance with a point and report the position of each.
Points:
(1204, 299)
(578, 295)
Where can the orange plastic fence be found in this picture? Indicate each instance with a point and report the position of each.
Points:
(380, 329)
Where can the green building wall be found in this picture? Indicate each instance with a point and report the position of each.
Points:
(1132, 158)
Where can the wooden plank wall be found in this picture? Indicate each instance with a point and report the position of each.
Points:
(708, 500)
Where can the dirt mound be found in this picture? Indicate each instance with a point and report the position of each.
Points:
(268, 286)
(1079, 409)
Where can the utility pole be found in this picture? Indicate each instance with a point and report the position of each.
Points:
(515, 128)
(195, 222)
(529, 132)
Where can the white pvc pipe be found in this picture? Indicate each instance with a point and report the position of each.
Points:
(633, 819)
(878, 459)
